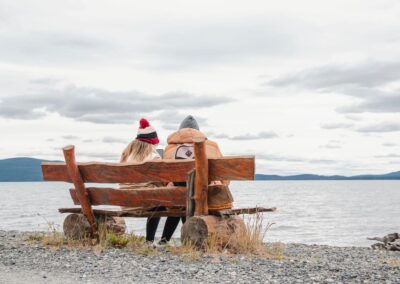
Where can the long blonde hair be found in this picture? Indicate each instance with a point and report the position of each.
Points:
(138, 149)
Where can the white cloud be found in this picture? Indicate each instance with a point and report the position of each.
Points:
(92, 70)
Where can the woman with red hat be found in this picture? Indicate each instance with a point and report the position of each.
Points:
(140, 150)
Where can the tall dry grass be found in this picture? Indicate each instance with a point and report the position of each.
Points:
(247, 241)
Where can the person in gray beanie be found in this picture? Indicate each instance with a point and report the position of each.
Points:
(189, 122)
(183, 138)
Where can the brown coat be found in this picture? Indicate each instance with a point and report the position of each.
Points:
(186, 135)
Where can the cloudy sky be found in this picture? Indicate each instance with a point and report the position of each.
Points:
(306, 86)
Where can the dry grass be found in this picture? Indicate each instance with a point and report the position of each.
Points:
(186, 250)
(248, 241)
(393, 262)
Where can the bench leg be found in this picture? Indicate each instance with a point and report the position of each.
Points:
(77, 227)
(224, 231)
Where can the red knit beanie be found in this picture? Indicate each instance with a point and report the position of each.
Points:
(147, 133)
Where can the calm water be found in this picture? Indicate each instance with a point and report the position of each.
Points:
(314, 212)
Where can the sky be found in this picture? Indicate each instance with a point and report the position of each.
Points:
(306, 86)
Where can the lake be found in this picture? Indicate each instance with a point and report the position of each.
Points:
(342, 213)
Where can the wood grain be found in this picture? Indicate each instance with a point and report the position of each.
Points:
(74, 174)
(129, 213)
(226, 168)
(232, 168)
(240, 211)
(201, 179)
(152, 171)
(139, 197)
(150, 197)
(223, 231)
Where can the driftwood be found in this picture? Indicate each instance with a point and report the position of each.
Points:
(388, 242)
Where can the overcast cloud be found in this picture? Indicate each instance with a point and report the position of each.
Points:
(100, 106)
(381, 127)
(284, 78)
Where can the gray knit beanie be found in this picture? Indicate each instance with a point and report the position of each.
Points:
(189, 122)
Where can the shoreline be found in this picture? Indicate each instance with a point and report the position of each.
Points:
(22, 260)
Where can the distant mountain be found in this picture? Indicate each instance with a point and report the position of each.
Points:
(28, 169)
(20, 169)
(394, 175)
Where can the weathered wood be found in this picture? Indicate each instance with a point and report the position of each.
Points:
(190, 192)
(73, 171)
(221, 230)
(240, 211)
(232, 168)
(219, 197)
(154, 171)
(76, 225)
(172, 196)
(138, 197)
(388, 242)
(178, 212)
(201, 180)
(226, 168)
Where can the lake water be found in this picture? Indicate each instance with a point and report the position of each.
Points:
(339, 213)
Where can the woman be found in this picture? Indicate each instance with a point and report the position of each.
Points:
(140, 150)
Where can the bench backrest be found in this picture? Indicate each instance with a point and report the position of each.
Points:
(226, 168)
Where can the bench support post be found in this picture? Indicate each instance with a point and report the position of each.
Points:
(73, 171)
(201, 179)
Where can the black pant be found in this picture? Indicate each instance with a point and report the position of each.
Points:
(170, 224)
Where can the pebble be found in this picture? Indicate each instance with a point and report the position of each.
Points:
(300, 264)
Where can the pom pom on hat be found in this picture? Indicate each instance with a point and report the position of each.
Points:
(144, 123)
(147, 133)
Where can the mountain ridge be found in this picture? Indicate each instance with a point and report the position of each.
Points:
(21, 169)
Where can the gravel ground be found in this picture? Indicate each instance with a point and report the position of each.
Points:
(23, 261)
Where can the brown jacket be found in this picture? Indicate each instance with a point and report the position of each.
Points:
(186, 135)
(223, 200)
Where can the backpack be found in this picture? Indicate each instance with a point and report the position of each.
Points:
(184, 151)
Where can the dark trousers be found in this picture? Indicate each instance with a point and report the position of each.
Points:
(170, 224)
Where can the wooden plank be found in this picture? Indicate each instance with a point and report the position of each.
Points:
(180, 212)
(152, 171)
(201, 178)
(232, 168)
(149, 197)
(239, 211)
(129, 213)
(139, 197)
(226, 168)
(73, 172)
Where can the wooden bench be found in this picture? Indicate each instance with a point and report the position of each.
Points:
(190, 201)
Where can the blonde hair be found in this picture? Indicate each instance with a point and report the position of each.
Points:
(139, 150)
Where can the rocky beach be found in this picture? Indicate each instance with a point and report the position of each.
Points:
(24, 260)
